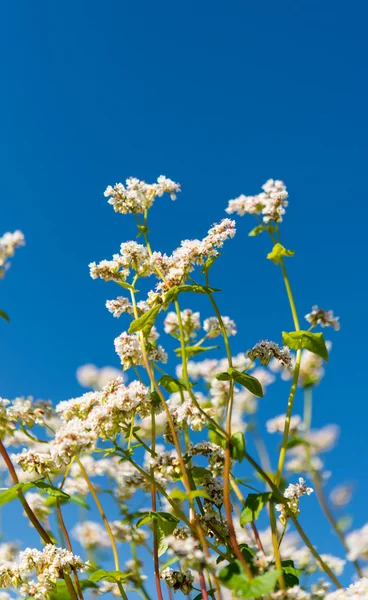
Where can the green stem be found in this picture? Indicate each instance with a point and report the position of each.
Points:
(289, 412)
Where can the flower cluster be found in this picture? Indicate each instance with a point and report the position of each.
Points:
(137, 196)
(292, 493)
(270, 203)
(8, 244)
(322, 317)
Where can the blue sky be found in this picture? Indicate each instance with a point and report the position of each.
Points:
(219, 97)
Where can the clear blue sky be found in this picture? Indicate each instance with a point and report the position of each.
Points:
(220, 97)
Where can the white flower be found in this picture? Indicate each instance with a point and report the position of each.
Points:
(294, 491)
(357, 542)
(119, 306)
(177, 580)
(277, 424)
(8, 243)
(137, 196)
(322, 317)
(190, 322)
(212, 326)
(271, 203)
(90, 376)
(356, 591)
(91, 535)
(341, 495)
(266, 350)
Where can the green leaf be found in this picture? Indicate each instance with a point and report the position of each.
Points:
(166, 521)
(253, 506)
(161, 538)
(291, 574)
(200, 473)
(145, 322)
(173, 293)
(112, 576)
(278, 252)
(260, 229)
(62, 593)
(237, 443)
(12, 492)
(79, 500)
(248, 381)
(126, 286)
(4, 315)
(209, 262)
(171, 384)
(314, 342)
(210, 592)
(194, 350)
(233, 577)
(51, 490)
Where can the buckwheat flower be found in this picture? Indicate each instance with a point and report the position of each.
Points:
(165, 464)
(8, 552)
(90, 376)
(72, 439)
(271, 203)
(119, 306)
(322, 317)
(217, 235)
(135, 256)
(293, 492)
(357, 542)
(214, 454)
(40, 462)
(341, 495)
(6, 424)
(137, 196)
(277, 424)
(164, 184)
(109, 270)
(128, 349)
(123, 532)
(91, 535)
(177, 580)
(190, 322)
(212, 326)
(187, 550)
(293, 593)
(38, 505)
(356, 591)
(242, 205)
(266, 350)
(8, 244)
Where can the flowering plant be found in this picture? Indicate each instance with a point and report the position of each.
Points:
(169, 445)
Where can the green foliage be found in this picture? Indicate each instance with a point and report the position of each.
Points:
(112, 576)
(233, 577)
(253, 506)
(12, 492)
(278, 252)
(171, 384)
(291, 574)
(145, 322)
(51, 490)
(165, 524)
(194, 350)
(200, 473)
(314, 342)
(260, 229)
(248, 381)
(4, 315)
(237, 445)
(61, 591)
(173, 293)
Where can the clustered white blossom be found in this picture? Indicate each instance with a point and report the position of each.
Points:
(177, 580)
(47, 565)
(270, 203)
(128, 347)
(137, 196)
(356, 591)
(8, 244)
(90, 376)
(213, 329)
(322, 317)
(292, 493)
(266, 350)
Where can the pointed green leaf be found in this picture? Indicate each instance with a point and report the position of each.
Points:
(145, 322)
(4, 315)
(171, 384)
(248, 381)
(253, 506)
(237, 442)
(314, 342)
